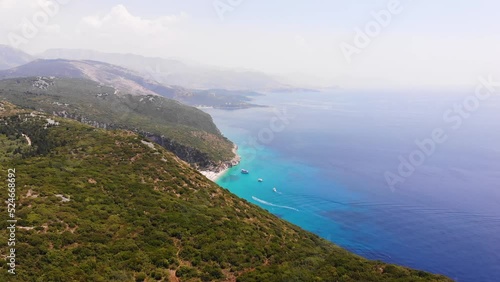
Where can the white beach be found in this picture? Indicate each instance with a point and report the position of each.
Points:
(214, 176)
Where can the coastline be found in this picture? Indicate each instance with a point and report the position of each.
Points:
(214, 176)
(219, 171)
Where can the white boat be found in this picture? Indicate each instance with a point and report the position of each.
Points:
(275, 191)
(260, 180)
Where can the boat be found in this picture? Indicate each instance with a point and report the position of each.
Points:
(275, 191)
(260, 180)
(244, 171)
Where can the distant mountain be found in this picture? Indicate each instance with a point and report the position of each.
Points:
(97, 205)
(188, 132)
(10, 57)
(124, 80)
(129, 82)
(174, 72)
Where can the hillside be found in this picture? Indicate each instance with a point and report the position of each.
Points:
(186, 131)
(126, 81)
(97, 205)
(10, 57)
(176, 72)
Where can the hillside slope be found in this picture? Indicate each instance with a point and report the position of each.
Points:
(175, 72)
(10, 57)
(96, 205)
(126, 81)
(188, 132)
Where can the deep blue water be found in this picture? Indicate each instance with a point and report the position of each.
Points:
(327, 156)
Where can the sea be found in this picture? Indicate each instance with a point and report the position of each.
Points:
(406, 177)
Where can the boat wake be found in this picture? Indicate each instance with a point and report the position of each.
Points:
(272, 205)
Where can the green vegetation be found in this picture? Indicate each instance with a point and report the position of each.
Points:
(138, 213)
(187, 131)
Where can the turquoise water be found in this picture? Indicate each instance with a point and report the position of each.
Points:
(326, 154)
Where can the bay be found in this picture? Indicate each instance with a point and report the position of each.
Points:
(327, 153)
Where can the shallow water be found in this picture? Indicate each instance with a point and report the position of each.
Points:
(326, 155)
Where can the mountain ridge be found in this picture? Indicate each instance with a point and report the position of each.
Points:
(187, 131)
(175, 72)
(11, 57)
(129, 82)
(100, 72)
(100, 205)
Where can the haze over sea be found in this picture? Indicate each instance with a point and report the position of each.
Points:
(328, 168)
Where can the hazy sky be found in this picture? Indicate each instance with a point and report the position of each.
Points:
(425, 42)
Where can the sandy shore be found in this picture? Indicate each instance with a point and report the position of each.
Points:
(214, 176)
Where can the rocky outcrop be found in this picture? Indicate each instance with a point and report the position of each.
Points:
(224, 165)
(188, 154)
(193, 156)
(197, 159)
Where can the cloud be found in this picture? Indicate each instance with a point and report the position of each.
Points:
(7, 4)
(12, 12)
(28, 21)
(119, 19)
(402, 58)
(120, 30)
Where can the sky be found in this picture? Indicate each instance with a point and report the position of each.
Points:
(357, 44)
